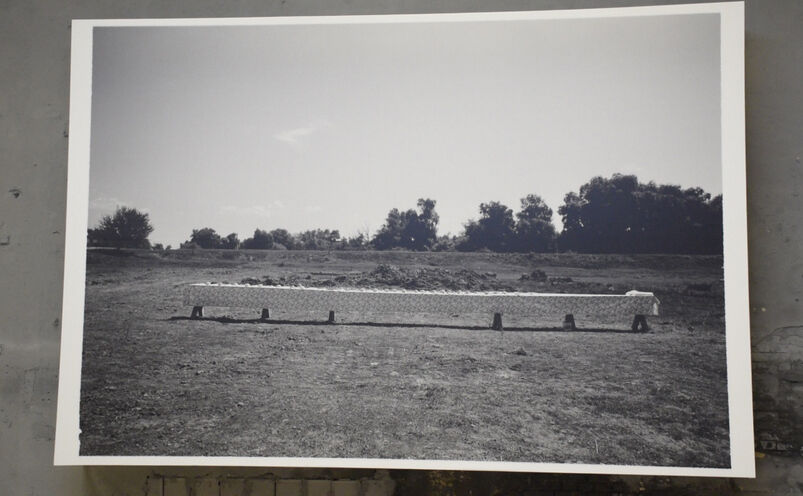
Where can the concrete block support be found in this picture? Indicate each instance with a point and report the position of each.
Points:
(497, 323)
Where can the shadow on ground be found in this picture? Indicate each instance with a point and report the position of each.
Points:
(326, 323)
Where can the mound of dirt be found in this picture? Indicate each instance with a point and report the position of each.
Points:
(536, 275)
(386, 275)
(291, 280)
(392, 276)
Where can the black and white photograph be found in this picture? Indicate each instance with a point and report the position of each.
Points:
(499, 241)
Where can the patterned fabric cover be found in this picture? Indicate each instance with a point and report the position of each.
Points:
(298, 299)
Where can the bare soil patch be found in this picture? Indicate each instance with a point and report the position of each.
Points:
(404, 386)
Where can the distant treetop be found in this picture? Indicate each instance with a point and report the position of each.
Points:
(618, 214)
(621, 215)
(411, 230)
(126, 228)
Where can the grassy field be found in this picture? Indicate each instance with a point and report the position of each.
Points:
(404, 386)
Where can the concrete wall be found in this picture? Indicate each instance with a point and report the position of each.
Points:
(34, 70)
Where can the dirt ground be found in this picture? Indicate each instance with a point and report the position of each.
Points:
(404, 386)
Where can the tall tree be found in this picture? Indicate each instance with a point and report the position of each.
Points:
(495, 230)
(205, 237)
(230, 242)
(126, 228)
(534, 229)
(284, 238)
(261, 240)
(621, 215)
(390, 234)
(422, 230)
(318, 239)
(412, 230)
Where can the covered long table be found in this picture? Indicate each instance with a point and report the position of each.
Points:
(366, 301)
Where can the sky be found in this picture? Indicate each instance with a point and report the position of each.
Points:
(330, 126)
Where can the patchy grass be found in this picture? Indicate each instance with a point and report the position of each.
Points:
(404, 386)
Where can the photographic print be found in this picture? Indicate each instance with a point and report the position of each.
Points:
(497, 241)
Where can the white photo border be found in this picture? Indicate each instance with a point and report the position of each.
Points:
(734, 226)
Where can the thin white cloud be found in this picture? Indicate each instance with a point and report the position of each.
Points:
(254, 210)
(298, 135)
(313, 208)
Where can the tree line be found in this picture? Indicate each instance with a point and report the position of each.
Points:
(607, 215)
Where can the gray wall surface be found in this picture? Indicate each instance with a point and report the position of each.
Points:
(34, 89)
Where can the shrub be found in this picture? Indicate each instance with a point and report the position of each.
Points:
(261, 240)
(127, 228)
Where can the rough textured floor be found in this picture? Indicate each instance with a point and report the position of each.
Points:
(422, 386)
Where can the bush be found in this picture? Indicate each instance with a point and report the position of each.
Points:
(411, 230)
(445, 243)
(261, 240)
(127, 228)
(205, 237)
(621, 215)
(495, 229)
(230, 242)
